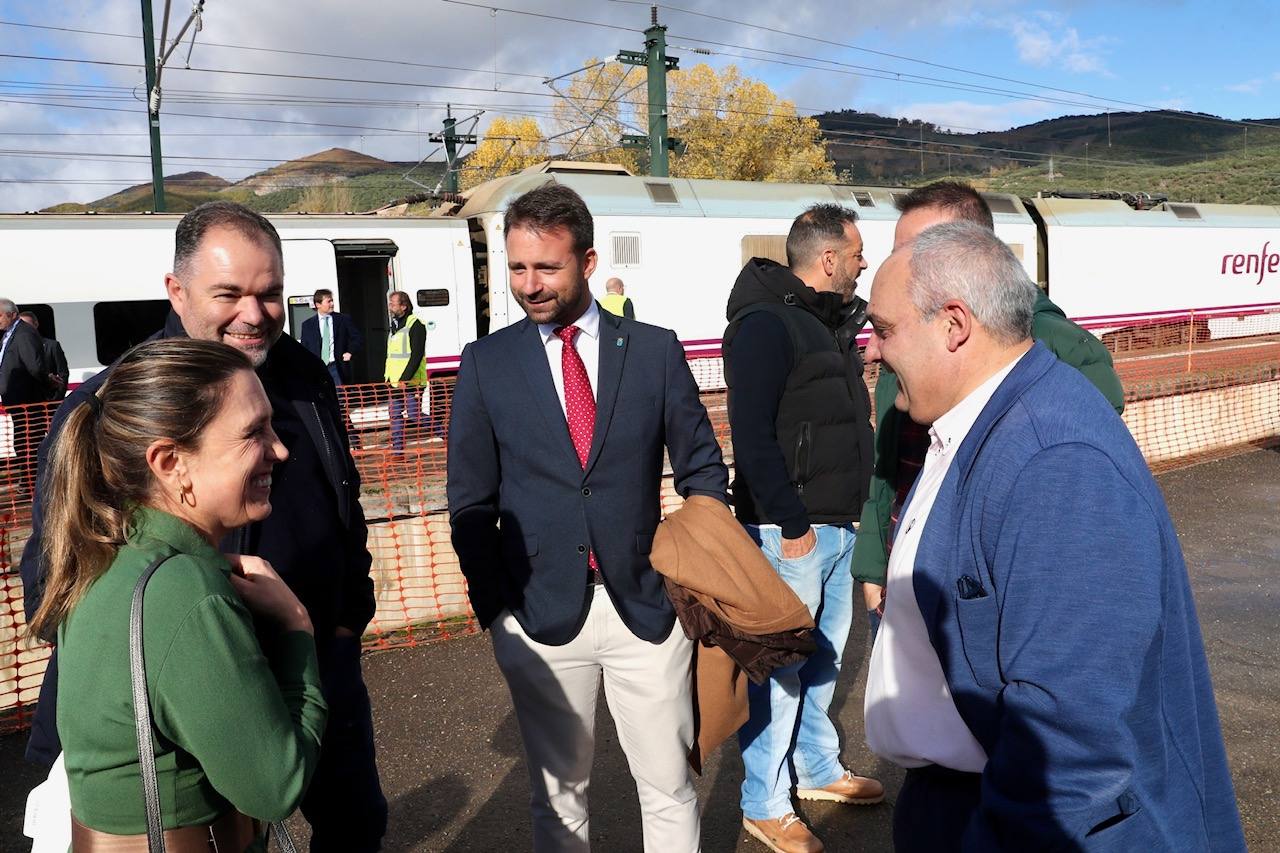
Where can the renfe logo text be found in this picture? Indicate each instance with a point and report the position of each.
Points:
(1261, 263)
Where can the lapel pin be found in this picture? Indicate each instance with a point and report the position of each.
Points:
(618, 342)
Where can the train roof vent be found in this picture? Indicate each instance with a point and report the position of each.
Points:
(863, 198)
(1184, 211)
(661, 193)
(1000, 204)
(898, 197)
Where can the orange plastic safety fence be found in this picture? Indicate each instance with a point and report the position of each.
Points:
(22, 664)
(1187, 399)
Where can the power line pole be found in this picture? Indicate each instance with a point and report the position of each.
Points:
(153, 109)
(452, 139)
(155, 68)
(655, 59)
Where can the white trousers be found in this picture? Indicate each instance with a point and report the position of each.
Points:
(647, 687)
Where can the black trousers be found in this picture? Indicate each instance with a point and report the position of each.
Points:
(933, 808)
(344, 804)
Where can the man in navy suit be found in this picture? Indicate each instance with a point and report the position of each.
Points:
(1030, 716)
(331, 337)
(556, 446)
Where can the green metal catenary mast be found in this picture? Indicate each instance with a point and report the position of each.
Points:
(153, 109)
(655, 59)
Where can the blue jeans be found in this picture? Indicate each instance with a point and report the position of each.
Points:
(790, 738)
(405, 405)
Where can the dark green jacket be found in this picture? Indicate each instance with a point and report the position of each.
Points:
(234, 729)
(1070, 343)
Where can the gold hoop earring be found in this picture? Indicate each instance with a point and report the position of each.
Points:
(183, 492)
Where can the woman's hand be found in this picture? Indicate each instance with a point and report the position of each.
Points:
(265, 594)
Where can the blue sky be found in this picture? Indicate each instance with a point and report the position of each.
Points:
(1216, 58)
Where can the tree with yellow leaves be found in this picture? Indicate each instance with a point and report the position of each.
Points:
(509, 145)
(733, 127)
(736, 128)
(599, 105)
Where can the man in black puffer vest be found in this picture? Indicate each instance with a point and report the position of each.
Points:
(802, 441)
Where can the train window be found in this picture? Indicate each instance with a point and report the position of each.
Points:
(661, 193)
(44, 316)
(437, 298)
(863, 198)
(120, 325)
(1184, 211)
(626, 250)
(771, 246)
(1000, 204)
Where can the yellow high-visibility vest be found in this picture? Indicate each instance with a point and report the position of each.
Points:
(614, 303)
(398, 350)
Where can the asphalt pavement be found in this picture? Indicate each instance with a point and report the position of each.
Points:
(450, 751)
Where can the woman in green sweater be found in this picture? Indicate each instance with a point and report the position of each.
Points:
(174, 452)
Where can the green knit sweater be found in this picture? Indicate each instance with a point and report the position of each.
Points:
(234, 728)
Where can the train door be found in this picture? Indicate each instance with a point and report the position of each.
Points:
(365, 277)
(308, 267)
(480, 274)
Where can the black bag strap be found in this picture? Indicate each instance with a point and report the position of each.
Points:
(142, 711)
(142, 723)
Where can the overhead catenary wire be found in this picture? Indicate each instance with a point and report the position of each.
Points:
(325, 78)
(250, 98)
(1180, 114)
(886, 54)
(1173, 113)
(288, 52)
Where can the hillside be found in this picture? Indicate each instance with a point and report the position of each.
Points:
(333, 180)
(334, 164)
(877, 149)
(1243, 177)
(1189, 158)
(182, 193)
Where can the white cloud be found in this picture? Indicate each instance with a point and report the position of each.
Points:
(1044, 40)
(968, 116)
(1248, 87)
(403, 115)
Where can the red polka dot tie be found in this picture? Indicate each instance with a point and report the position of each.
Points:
(579, 404)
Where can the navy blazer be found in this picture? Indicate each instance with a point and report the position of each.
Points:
(523, 510)
(346, 338)
(1053, 587)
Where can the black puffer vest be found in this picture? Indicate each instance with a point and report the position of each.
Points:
(824, 417)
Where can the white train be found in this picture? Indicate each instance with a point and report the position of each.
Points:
(96, 280)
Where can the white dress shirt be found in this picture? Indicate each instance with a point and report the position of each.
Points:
(910, 716)
(326, 320)
(587, 343)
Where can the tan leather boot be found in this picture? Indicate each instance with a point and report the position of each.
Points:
(786, 834)
(848, 789)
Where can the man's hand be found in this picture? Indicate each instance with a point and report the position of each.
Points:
(346, 356)
(874, 596)
(793, 548)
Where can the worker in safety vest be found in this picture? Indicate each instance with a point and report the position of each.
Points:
(615, 302)
(406, 369)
